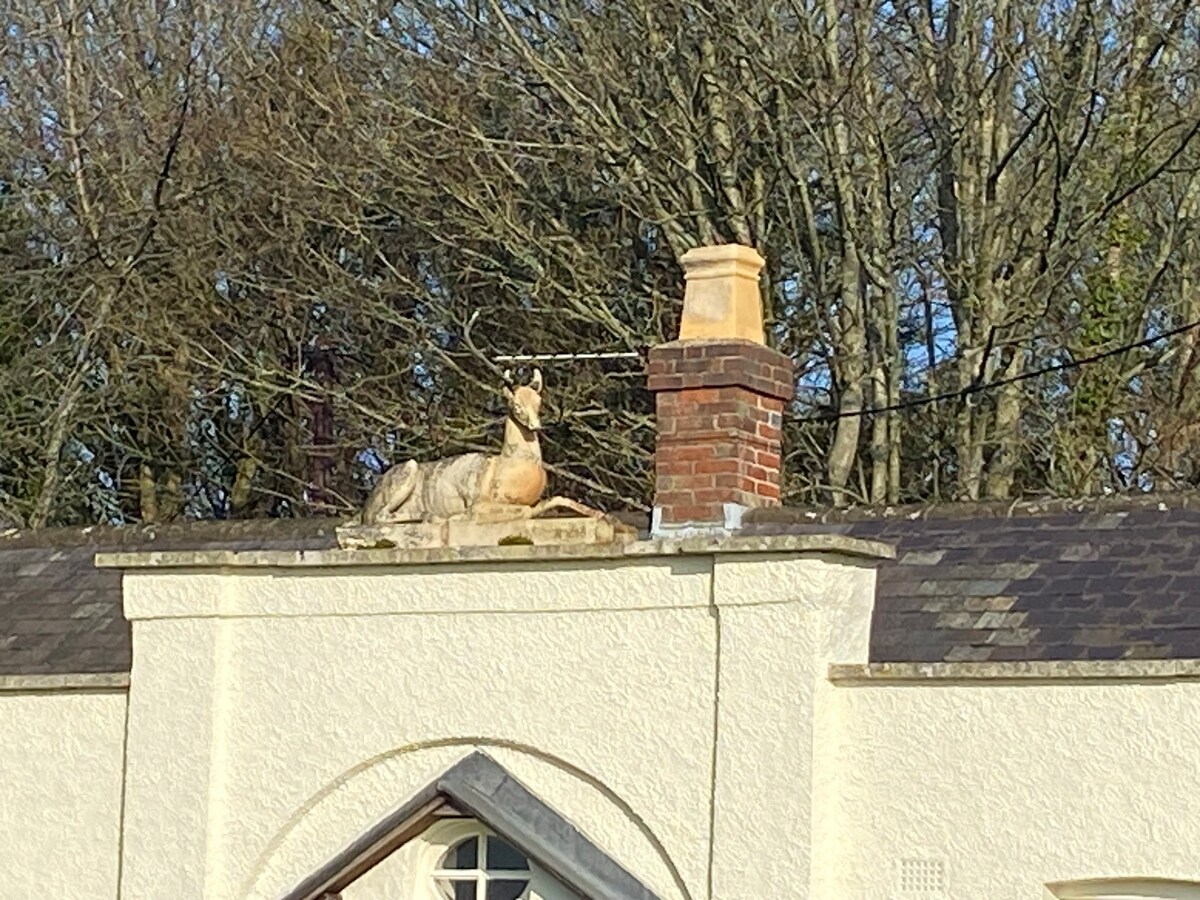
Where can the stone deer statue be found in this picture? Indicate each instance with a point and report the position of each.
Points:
(475, 485)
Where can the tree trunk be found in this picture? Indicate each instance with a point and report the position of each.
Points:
(850, 369)
(1007, 434)
(969, 429)
(147, 495)
(880, 444)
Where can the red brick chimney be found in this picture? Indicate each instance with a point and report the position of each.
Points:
(719, 395)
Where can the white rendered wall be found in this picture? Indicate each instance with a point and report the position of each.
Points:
(294, 708)
(60, 794)
(1013, 786)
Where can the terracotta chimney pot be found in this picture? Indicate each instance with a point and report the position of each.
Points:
(722, 298)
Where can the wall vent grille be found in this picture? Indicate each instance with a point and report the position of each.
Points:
(922, 879)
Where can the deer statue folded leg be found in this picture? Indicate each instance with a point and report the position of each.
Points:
(475, 486)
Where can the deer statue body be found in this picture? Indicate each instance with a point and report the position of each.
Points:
(507, 485)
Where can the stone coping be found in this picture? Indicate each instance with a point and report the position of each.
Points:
(1079, 671)
(702, 546)
(80, 681)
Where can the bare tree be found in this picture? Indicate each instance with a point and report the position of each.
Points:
(252, 252)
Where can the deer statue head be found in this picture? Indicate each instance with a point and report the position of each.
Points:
(525, 401)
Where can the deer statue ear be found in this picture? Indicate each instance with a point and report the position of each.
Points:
(536, 383)
(508, 377)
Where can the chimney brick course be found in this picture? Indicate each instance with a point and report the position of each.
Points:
(720, 429)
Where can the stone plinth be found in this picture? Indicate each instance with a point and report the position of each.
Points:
(551, 531)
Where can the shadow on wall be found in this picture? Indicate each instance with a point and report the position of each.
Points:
(1124, 889)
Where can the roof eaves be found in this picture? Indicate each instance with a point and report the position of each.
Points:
(960, 510)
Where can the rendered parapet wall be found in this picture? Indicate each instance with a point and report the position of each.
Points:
(659, 696)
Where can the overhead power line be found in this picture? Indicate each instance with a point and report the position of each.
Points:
(981, 387)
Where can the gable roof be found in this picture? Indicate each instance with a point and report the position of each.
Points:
(1110, 578)
(480, 787)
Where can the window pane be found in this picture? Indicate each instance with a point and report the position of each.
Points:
(464, 855)
(505, 890)
(503, 856)
(456, 890)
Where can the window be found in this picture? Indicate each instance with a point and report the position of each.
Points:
(480, 865)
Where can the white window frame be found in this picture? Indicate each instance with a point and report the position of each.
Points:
(437, 841)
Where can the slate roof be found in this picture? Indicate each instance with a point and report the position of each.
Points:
(60, 615)
(1099, 579)
(1111, 578)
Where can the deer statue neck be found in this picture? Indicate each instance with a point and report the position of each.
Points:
(519, 441)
